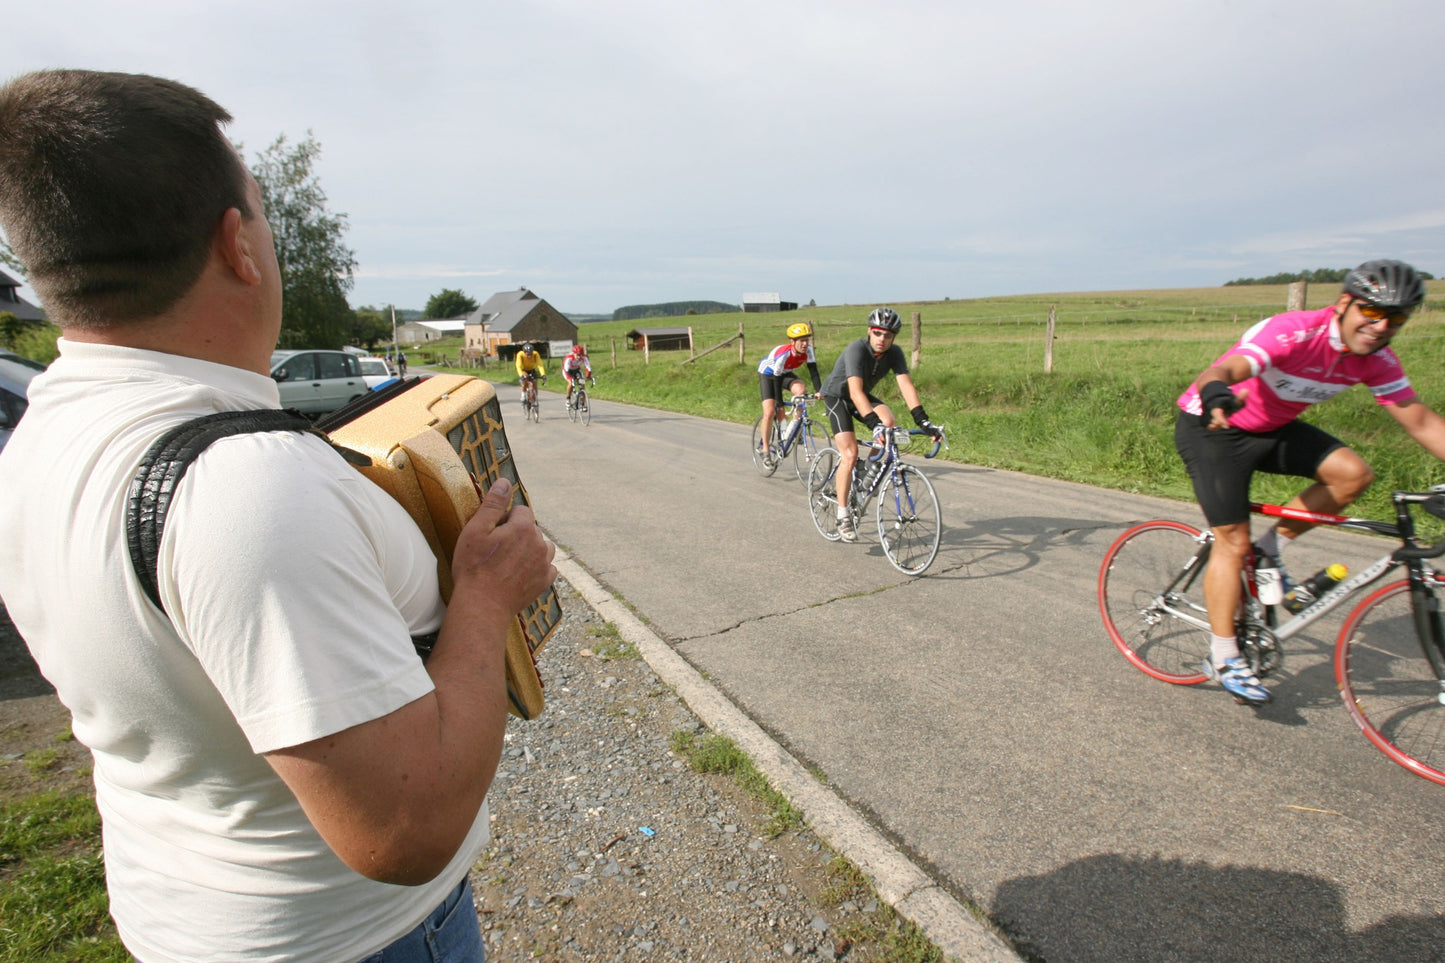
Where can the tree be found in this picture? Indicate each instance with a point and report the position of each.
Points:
(372, 325)
(7, 256)
(449, 303)
(316, 266)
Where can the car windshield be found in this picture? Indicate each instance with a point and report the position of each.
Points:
(373, 366)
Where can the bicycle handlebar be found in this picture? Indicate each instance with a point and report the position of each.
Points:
(939, 442)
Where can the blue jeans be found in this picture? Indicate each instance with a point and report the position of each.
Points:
(451, 934)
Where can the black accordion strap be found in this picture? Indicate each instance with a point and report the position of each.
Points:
(165, 464)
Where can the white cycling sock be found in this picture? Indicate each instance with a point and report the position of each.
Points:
(1268, 543)
(1222, 648)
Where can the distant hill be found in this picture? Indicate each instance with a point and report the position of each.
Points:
(1317, 276)
(672, 309)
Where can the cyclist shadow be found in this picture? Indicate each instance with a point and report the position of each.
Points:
(994, 547)
(1120, 907)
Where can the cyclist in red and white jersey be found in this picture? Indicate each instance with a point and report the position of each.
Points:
(1240, 416)
(776, 375)
(575, 367)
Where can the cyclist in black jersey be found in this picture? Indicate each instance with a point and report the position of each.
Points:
(847, 394)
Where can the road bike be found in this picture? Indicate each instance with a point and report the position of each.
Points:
(797, 435)
(1389, 658)
(578, 407)
(531, 409)
(909, 522)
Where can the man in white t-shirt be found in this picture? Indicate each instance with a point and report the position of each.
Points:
(279, 776)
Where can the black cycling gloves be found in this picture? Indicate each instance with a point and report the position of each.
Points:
(920, 418)
(1217, 394)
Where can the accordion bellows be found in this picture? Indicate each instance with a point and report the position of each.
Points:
(428, 440)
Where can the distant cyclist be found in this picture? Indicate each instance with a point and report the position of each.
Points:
(775, 375)
(529, 367)
(1279, 368)
(847, 395)
(576, 367)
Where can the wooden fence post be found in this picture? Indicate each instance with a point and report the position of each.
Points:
(1049, 340)
(742, 346)
(614, 353)
(1297, 292)
(917, 338)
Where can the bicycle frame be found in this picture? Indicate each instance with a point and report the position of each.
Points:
(799, 404)
(1410, 555)
(887, 453)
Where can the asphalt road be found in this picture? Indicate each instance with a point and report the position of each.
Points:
(980, 716)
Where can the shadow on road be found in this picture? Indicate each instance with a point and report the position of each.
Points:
(1113, 908)
(992, 547)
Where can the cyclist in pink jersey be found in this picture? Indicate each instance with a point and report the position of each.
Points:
(1240, 416)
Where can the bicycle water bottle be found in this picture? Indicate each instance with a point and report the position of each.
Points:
(1267, 580)
(791, 429)
(871, 472)
(1304, 594)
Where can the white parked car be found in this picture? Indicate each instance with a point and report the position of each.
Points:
(375, 371)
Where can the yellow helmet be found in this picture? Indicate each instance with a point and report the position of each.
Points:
(800, 330)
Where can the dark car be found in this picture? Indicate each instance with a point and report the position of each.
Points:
(16, 373)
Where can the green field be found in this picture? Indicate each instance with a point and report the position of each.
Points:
(1103, 416)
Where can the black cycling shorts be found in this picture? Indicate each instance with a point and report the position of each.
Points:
(773, 386)
(1222, 463)
(842, 414)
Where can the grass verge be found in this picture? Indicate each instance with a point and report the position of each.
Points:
(53, 904)
(887, 937)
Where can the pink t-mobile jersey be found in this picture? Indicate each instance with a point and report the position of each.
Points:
(1297, 360)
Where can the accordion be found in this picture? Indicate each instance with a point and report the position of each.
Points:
(436, 445)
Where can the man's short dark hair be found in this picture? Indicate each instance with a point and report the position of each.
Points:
(111, 186)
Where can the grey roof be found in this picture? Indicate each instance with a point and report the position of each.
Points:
(12, 303)
(501, 303)
(506, 309)
(502, 300)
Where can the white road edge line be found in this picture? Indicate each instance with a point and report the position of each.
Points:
(910, 891)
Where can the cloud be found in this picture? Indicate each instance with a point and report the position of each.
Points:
(641, 150)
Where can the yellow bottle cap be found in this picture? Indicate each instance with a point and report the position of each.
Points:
(1338, 571)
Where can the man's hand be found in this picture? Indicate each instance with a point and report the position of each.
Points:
(1218, 402)
(501, 556)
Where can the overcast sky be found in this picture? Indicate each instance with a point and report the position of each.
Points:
(613, 152)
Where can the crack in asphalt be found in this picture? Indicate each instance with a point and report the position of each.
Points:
(801, 608)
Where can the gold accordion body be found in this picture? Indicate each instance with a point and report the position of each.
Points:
(436, 445)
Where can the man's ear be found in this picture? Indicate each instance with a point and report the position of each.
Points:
(235, 246)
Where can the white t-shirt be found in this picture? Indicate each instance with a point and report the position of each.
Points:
(295, 585)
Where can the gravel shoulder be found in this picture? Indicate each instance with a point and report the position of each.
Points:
(607, 845)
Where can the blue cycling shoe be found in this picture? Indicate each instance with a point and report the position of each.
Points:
(1238, 680)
